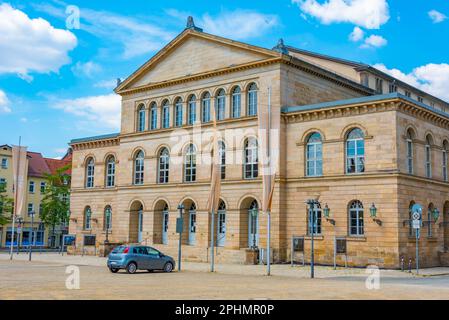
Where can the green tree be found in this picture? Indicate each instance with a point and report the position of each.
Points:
(55, 203)
(6, 205)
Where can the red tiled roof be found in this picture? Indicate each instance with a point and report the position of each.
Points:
(54, 164)
(37, 166)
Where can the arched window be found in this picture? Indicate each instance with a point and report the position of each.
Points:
(153, 116)
(141, 118)
(191, 114)
(430, 209)
(355, 151)
(251, 165)
(428, 163)
(222, 155)
(410, 225)
(236, 103)
(190, 164)
(314, 214)
(107, 219)
(165, 115)
(252, 100)
(444, 162)
(139, 167)
(356, 226)
(110, 171)
(178, 112)
(220, 103)
(164, 163)
(87, 218)
(410, 151)
(314, 155)
(205, 107)
(90, 172)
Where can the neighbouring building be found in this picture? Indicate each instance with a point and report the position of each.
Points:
(36, 182)
(366, 145)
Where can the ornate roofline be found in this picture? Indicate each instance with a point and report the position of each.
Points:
(344, 108)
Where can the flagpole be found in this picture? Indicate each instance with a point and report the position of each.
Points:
(269, 209)
(15, 205)
(212, 262)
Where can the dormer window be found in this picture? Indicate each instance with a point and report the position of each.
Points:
(379, 85)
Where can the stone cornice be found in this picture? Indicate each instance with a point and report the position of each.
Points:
(94, 144)
(395, 104)
(200, 76)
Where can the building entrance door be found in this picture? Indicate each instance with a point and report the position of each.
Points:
(165, 227)
(140, 224)
(192, 226)
(221, 232)
(253, 225)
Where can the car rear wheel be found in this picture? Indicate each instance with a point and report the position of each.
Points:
(168, 267)
(131, 267)
(113, 270)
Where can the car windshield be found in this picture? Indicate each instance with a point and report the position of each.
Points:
(119, 249)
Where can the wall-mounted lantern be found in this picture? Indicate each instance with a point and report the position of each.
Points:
(373, 214)
(326, 213)
(435, 214)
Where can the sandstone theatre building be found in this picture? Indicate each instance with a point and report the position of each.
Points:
(366, 145)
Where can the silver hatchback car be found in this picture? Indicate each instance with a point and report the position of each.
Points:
(137, 257)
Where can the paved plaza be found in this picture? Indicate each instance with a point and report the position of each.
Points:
(45, 278)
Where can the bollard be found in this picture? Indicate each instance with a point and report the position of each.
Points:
(410, 265)
(402, 264)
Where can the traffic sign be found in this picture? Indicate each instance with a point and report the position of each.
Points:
(416, 224)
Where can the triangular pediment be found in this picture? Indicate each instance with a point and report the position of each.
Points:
(194, 53)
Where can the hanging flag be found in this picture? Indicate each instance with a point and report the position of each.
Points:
(20, 170)
(215, 183)
(268, 154)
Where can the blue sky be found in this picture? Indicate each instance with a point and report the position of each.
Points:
(56, 80)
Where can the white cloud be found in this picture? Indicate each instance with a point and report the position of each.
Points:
(133, 36)
(357, 34)
(31, 45)
(106, 84)
(88, 69)
(370, 14)
(374, 41)
(436, 16)
(98, 112)
(4, 103)
(432, 78)
(239, 24)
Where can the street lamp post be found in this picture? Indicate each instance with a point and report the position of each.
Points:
(19, 231)
(32, 235)
(180, 226)
(312, 203)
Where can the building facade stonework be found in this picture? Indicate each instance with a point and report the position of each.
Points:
(339, 141)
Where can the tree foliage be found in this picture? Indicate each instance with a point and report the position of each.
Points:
(6, 205)
(55, 203)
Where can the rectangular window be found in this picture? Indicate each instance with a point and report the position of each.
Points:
(220, 108)
(4, 163)
(206, 110)
(3, 182)
(379, 85)
(428, 163)
(31, 187)
(420, 99)
(30, 208)
(192, 113)
(408, 94)
(43, 187)
(364, 79)
(393, 88)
